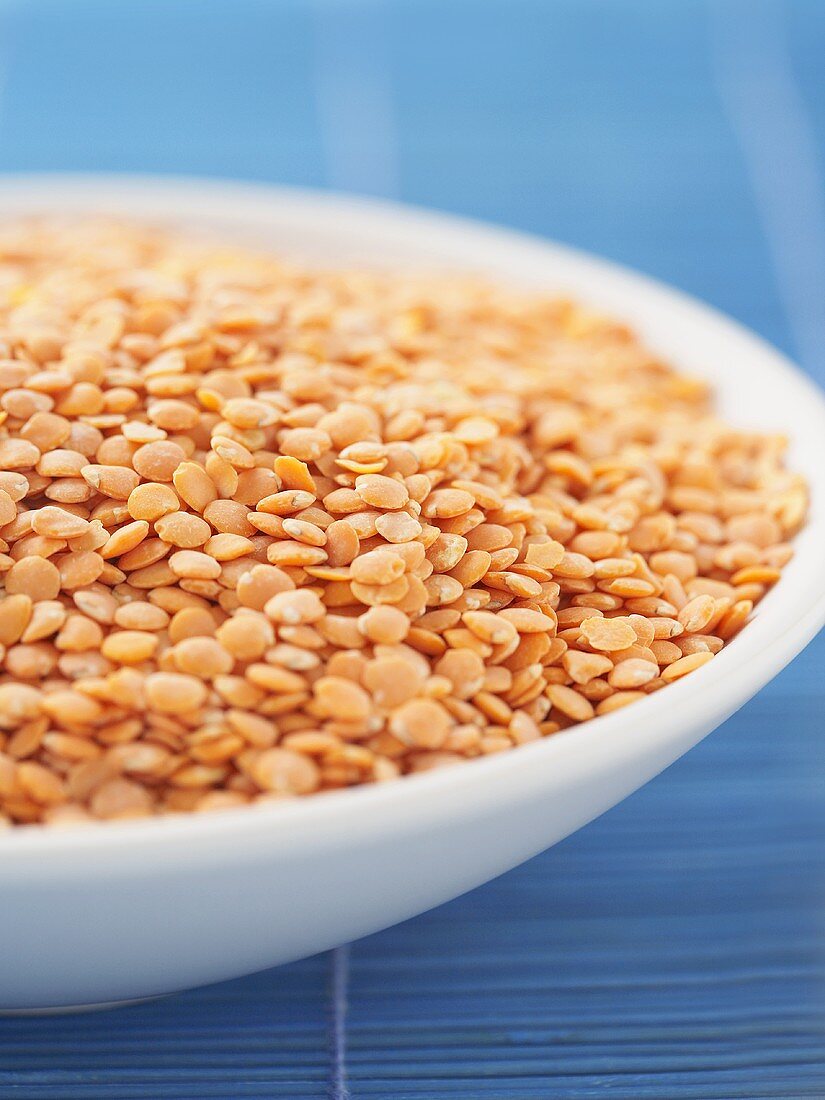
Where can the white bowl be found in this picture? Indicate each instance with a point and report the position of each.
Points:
(120, 911)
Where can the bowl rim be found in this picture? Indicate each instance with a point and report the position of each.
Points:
(772, 639)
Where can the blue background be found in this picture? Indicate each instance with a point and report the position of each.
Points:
(676, 947)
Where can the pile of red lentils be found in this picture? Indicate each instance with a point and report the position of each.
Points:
(267, 531)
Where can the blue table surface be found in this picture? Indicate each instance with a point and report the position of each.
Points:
(676, 947)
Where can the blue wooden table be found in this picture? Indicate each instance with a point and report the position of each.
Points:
(675, 948)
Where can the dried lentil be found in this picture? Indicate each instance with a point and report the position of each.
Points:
(257, 544)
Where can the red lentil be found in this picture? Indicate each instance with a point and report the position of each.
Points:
(251, 551)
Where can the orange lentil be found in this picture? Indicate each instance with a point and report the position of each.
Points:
(570, 702)
(285, 772)
(607, 634)
(112, 481)
(246, 637)
(183, 529)
(203, 657)
(696, 614)
(129, 647)
(194, 486)
(174, 693)
(313, 536)
(158, 461)
(152, 500)
(684, 665)
(584, 667)
(423, 723)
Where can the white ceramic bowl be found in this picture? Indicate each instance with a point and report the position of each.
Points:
(113, 912)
